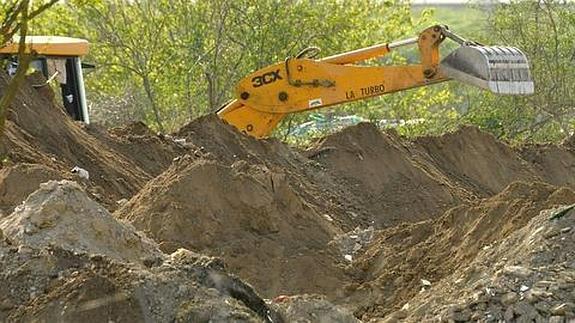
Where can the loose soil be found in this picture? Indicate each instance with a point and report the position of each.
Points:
(209, 224)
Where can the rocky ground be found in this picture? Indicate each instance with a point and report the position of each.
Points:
(208, 225)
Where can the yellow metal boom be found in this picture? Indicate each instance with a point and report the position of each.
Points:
(265, 97)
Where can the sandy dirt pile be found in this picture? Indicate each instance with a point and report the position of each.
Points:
(388, 178)
(555, 164)
(61, 214)
(39, 132)
(20, 180)
(247, 214)
(64, 258)
(405, 261)
(456, 227)
(476, 161)
(312, 181)
(527, 276)
(253, 202)
(151, 152)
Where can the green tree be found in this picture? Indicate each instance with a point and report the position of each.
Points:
(172, 60)
(545, 31)
(15, 17)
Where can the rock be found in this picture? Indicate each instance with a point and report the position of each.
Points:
(517, 271)
(551, 233)
(6, 304)
(400, 315)
(539, 294)
(476, 316)
(81, 172)
(556, 319)
(543, 283)
(525, 309)
(542, 307)
(560, 309)
(508, 315)
(458, 314)
(509, 298)
(523, 288)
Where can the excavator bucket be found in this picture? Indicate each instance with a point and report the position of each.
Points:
(502, 70)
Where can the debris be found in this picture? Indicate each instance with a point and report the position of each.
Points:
(81, 172)
(517, 271)
(523, 288)
(327, 217)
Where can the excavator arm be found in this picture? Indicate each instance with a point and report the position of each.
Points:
(302, 83)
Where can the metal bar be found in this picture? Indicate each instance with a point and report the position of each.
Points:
(81, 89)
(357, 55)
(401, 43)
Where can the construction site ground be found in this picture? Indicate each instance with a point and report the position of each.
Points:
(209, 225)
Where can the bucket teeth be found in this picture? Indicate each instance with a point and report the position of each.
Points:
(502, 70)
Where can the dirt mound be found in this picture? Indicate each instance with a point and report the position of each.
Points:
(136, 142)
(18, 181)
(313, 182)
(385, 226)
(386, 175)
(407, 258)
(527, 276)
(555, 164)
(476, 161)
(64, 258)
(247, 214)
(61, 214)
(61, 286)
(38, 131)
(312, 308)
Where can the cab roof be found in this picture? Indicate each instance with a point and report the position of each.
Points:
(49, 46)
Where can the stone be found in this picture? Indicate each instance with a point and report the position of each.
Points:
(508, 315)
(556, 319)
(509, 298)
(476, 316)
(464, 315)
(559, 309)
(551, 233)
(517, 271)
(543, 283)
(542, 307)
(523, 288)
(525, 310)
(401, 314)
(6, 304)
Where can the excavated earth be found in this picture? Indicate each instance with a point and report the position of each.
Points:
(209, 225)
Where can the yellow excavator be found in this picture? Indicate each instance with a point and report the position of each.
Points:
(301, 83)
(58, 58)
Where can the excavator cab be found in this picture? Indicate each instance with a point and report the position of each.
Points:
(58, 58)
